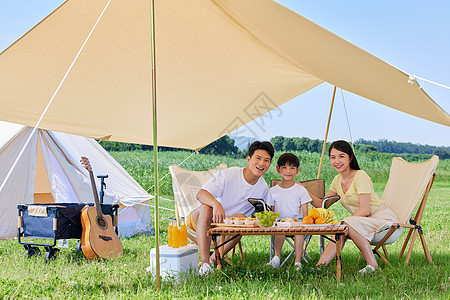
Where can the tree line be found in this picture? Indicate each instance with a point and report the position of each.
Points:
(281, 143)
(226, 146)
(222, 146)
(383, 145)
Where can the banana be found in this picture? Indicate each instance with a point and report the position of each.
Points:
(330, 216)
(323, 212)
(327, 218)
(327, 215)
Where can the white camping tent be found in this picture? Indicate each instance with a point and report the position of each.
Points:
(49, 171)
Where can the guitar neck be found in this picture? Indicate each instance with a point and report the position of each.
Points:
(94, 191)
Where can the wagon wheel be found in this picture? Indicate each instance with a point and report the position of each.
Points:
(32, 251)
(51, 254)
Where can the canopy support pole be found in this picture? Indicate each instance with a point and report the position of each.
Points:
(155, 148)
(326, 133)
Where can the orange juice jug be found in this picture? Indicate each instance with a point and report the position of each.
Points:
(183, 233)
(169, 233)
(175, 234)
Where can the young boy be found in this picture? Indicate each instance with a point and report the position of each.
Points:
(290, 200)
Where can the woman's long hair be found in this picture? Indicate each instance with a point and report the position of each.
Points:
(345, 147)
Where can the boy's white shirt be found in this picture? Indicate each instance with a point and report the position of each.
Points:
(230, 188)
(288, 201)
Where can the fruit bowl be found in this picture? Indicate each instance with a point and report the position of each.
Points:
(266, 227)
(267, 219)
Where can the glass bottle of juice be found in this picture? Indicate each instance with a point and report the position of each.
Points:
(175, 234)
(169, 233)
(183, 233)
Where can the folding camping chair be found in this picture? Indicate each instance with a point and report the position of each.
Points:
(315, 187)
(186, 184)
(406, 185)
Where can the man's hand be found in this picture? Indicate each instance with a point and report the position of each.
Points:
(205, 197)
(218, 212)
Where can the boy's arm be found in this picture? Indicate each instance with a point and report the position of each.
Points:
(205, 197)
(304, 209)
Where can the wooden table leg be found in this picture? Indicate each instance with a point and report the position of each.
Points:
(221, 249)
(338, 257)
(216, 252)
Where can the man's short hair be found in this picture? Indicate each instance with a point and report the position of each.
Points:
(288, 159)
(257, 145)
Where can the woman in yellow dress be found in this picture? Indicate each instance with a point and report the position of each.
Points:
(368, 213)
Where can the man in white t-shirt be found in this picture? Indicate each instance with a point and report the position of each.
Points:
(226, 195)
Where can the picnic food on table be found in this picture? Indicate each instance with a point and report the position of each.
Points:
(249, 221)
(239, 220)
(320, 216)
(308, 220)
(327, 215)
(228, 221)
(314, 213)
(267, 218)
(289, 220)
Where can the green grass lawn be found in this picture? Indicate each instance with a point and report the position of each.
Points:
(71, 276)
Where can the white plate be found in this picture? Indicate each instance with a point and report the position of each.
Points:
(289, 224)
(317, 226)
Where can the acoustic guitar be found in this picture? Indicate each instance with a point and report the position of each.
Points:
(98, 238)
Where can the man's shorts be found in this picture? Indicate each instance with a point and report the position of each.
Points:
(190, 222)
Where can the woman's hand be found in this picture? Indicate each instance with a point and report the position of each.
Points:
(364, 206)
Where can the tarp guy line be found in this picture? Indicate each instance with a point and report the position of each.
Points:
(346, 116)
(195, 152)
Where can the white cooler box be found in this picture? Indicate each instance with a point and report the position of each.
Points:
(174, 261)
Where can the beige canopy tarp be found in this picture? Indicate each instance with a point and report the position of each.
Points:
(220, 64)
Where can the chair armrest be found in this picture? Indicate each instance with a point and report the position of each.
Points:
(259, 204)
(328, 201)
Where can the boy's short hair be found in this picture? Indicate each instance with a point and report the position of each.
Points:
(257, 145)
(288, 159)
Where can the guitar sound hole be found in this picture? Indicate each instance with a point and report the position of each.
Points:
(101, 222)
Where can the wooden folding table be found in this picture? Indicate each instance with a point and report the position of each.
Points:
(235, 231)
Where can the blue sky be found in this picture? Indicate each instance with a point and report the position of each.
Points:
(410, 35)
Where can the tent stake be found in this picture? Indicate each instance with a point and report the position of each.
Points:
(155, 148)
(326, 133)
